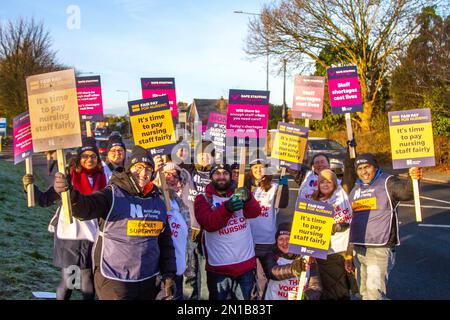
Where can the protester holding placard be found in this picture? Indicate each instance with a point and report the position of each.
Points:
(222, 212)
(264, 226)
(134, 243)
(179, 220)
(73, 242)
(335, 281)
(116, 155)
(283, 269)
(374, 230)
(204, 158)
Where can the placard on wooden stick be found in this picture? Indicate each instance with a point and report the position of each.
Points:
(345, 96)
(288, 151)
(54, 118)
(412, 144)
(153, 129)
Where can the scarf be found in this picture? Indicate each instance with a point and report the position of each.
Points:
(80, 181)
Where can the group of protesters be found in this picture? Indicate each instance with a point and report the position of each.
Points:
(217, 241)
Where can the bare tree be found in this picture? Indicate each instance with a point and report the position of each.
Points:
(25, 49)
(366, 33)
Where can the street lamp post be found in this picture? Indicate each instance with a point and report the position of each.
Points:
(284, 111)
(267, 47)
(129, 117)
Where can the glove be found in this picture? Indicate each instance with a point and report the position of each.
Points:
(242, 193)
(27, 180)
(169, 288)
(60, 184)
(339, 227)
(234, 204)
(352, 143)
(283, 181)
(298, 266)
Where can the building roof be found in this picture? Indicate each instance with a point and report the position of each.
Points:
(205, 106)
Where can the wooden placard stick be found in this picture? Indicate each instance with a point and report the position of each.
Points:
(30, 187)
(88, 129)
(242, 167)
(66, 206)
(280, 188)
(417, 200)
(348, 121)
(304, 276)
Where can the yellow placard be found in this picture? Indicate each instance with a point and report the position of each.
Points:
(152, 130)
(142, 228)
(364, 204)
(310, 230)
(411, 140)
(289, 147)
(53, 108)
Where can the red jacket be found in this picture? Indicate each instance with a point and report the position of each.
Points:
(212, 221)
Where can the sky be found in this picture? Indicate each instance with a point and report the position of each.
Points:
(198, 42)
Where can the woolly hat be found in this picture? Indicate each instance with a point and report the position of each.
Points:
(365, 158)
(139, 154)
(218, 166)
(283, 229)
(88, 144)
(114, 141)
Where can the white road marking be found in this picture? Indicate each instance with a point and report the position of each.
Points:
(448, 202)
(428, 207)
(435, 225)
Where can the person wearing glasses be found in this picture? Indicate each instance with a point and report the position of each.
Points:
(134, 242)
(73, 242)
(116, 155)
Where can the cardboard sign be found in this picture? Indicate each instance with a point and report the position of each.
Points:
(152, 125)
(53, 108)
(90, 104)
(411, 138)
(247, 116)
(344, 90)
(308, 97)
(22, 141)
(216, 132)
(289, 145)
(311, 228)
(156, 87)
(3, 126)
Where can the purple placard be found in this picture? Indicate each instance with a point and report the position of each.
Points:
(89, 93)
(314, 210)
(308, 97)
(216, 131)
(149, 122)
(155, 87)
(411, 136)
(247, 115)
(344, 90)
(289, 129)
(22, 141)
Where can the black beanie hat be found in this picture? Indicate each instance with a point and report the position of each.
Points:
(234, 166)
(218, 166)
(283, 229)
(114, 141)
(139, 154)
(88, 144)
(365, 158)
